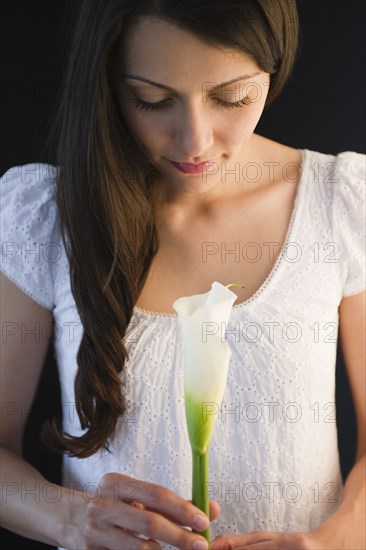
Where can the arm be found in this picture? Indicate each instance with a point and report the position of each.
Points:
(347, 525)
(21, 363)
(69, 518)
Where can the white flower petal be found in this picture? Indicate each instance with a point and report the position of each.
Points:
(206, 357)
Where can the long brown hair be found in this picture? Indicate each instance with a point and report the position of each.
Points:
(106, 187)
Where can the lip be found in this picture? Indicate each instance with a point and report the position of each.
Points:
(193, 168)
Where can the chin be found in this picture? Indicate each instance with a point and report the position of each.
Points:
(197, 187)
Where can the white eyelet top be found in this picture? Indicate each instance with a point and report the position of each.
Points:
(274, 462)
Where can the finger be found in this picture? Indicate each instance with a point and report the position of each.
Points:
(283, 541)
(132, 542)
(263, 545)
(104, 537)
(258, 536)
(155, 497)
(214, 512)
(155, 526)
(229, 542)
(119, 487)
(152, 525)
(214, 509)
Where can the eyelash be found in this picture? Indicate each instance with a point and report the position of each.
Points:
(139, 104)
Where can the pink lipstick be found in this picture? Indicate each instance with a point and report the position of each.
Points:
(193, 168)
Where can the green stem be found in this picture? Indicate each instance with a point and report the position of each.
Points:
(199, 486)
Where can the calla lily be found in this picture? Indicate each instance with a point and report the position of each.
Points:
(206, 363)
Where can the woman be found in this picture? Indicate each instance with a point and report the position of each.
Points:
(131, 220)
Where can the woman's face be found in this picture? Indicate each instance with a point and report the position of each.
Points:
(182, 117)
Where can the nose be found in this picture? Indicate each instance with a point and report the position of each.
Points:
(193, 134)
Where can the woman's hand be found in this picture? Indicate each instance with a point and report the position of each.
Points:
(127, 509)
(268, 540)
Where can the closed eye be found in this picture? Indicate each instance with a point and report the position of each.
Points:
(139, 104)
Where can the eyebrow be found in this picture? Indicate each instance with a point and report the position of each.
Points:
(213, 89)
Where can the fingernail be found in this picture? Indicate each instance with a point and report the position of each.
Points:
(200, 545)
(200, 523)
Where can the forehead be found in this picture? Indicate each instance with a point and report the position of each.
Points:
(161, 51)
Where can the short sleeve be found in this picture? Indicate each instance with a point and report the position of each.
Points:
(30, 235)
(349, 220)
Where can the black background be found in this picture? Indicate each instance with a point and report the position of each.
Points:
(321, 109)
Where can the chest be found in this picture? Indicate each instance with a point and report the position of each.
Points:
(241, 247)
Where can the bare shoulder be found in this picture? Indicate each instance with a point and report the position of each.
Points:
(23, 351)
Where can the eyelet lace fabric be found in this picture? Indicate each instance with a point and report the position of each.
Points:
(274, 462)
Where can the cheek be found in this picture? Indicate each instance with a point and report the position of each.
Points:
(239, 126)
(148, 131)
(143, 130)
(151, 131)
